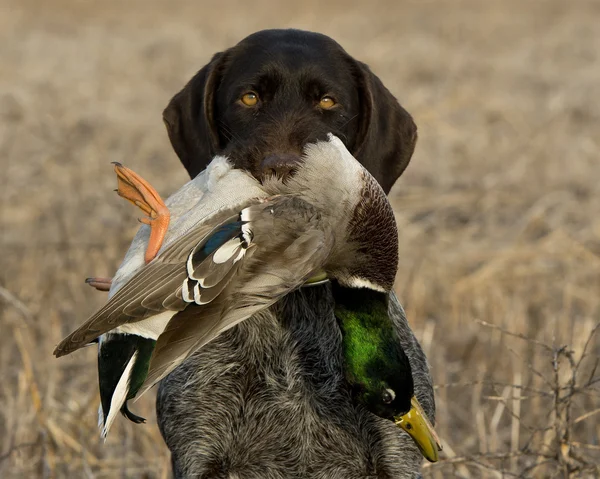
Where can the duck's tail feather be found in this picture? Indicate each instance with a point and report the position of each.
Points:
(118, 398)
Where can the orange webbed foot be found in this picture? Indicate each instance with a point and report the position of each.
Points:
(139, 192)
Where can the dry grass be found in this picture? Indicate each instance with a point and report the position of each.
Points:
(499, 212)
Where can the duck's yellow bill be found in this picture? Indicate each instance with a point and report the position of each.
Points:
(416, 424)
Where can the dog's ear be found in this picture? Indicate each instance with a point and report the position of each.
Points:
(189, 118)
(387, 134)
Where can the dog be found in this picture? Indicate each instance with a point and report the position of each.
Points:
(267, 399)
(261, 101)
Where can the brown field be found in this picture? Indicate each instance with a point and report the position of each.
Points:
(499, 212)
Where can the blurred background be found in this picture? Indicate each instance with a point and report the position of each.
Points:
(499, 211)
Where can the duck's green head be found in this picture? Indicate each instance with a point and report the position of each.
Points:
(376, 367)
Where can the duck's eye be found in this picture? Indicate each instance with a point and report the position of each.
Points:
(387, 396)
(327, 103)
(249, 99)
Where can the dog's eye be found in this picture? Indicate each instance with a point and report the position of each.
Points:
(250, 98)
(327, 103)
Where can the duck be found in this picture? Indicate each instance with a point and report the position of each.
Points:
(219, 258)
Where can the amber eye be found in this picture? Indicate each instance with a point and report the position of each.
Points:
(327, 103)
(250, 98)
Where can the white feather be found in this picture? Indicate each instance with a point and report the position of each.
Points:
(247, 233)
(216, 170)
(189, 265)
(357, 282)
(226, 251)
(185, 291)
(150, 328)
(119, 396)
(245, 214)
(197, 294)
(240, 255)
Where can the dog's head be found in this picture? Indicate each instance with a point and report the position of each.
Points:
(261, 101)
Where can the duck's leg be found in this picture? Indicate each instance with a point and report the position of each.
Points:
(101, 284)
(138, 191)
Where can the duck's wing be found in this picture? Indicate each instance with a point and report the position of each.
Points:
(258, 287)
(192, 269)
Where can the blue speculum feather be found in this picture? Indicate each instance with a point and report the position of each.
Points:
(218, 239)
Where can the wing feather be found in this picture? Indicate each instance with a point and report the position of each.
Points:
(153, 289)
(260, 287)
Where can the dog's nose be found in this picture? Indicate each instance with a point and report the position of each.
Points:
(281, 165)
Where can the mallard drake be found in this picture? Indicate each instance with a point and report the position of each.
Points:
(225, 263)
